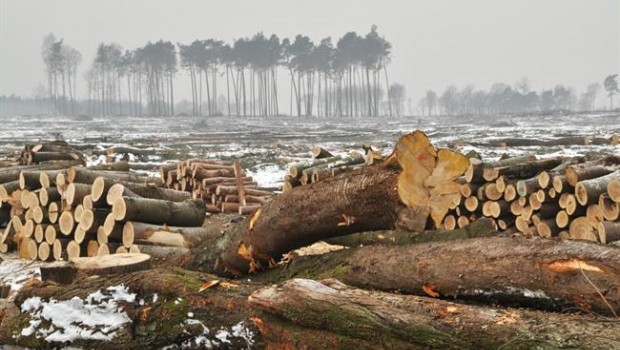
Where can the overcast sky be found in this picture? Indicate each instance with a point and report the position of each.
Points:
(435, 43)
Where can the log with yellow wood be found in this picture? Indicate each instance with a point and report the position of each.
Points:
(413, 190)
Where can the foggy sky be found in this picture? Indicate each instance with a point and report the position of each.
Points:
(435, 43)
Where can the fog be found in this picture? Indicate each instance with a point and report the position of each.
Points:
(434, 43)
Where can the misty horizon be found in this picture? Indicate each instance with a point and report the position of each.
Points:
(434, 44)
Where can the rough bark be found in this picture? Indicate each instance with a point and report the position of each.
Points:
(352, 318)
(553, 275)
(158, 322)
(363, 200)
(154, 211)
(482, 227)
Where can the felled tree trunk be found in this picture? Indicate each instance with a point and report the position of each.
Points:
(331, 315)
(553, 275)
(363, 200)
(415, 184)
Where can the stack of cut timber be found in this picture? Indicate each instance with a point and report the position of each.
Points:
(50, 151)
(554, 197)
(222, 184)
(561, 141)
(324, 165)
(65, 213)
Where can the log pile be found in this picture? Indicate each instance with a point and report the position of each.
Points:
(325, 165)
(222, 184)
(394, 291)
(65, 213)
(555, 197)
(50, 151)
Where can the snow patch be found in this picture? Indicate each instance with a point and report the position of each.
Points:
(96, 317)
(268, 175)
(16, 272)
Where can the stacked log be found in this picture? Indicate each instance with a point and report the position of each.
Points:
(223, 185)
(66, 213)
(50, 151)
(325, 165)
(545, 197)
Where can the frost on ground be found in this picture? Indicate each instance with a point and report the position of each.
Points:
(16, 272)
(203, 338)
(97, 317)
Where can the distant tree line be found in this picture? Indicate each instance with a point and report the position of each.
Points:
(506, 99)
(348, 78)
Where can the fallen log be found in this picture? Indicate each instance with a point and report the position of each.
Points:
(87, 176)
(566, 271)
(376, 197)
(588, 191)
(328, 314)
(482, 227)
(185, 237)
(67, 272)
(154, 211)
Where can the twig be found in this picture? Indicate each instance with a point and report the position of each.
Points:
(599, 292)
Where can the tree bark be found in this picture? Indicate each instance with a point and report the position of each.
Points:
(329, 314)
(154, 211)
(362, 200)
(552, 275)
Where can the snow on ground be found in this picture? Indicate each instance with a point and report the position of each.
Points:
(16, 272)
(97, 317)
(207, 339)
(268, 175)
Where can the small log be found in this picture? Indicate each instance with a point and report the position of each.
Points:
(529, 186)
(582, 172)
(544, 179)
(491, 192)
(504, 223)
(471, 204)
(162, 252)
(613, 190)
(580, 228)
(521, 170)
(547, 228)
(48, 194)
(75, 193)
(43, 251)
(188, 213)
(462, 221)
(562, 219)
(449, 222)
(608, 231)
(66, 223)
(319, 152)
(29, 180)
(53, 212)
(594, 214)
(87, 176)
(93, 218)
(143, 233)
(560, 184)
(39, 233)
(588, 191)
(38, 157)
(610, 208)
(67, 272)
(92, 248)
(50, 234)
(7, 188)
